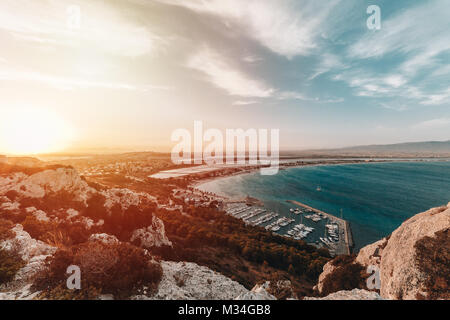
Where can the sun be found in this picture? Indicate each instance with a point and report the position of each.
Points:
(32, 130)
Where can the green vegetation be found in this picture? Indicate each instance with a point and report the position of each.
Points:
(433, 259)
(204, 236)
(10, 263)
(10, 169)
(118, 269)
(247, 254)
(348, 275)
(5, 229)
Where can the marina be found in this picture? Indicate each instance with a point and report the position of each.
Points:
(339, 239)
(336, 235)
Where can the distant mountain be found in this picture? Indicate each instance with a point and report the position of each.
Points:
(410, 149)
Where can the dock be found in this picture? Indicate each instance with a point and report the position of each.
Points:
(345, 243)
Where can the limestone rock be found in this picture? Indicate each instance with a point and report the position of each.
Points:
(189, 281)
(26, 246)
(45, 182)
(126, 198)
(152, 236)
(104, 238)
(328, 268)
(355, 294)
(259, 292)
(395, 256)
(400, 276)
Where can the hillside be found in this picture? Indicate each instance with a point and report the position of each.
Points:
(412, 149)
(135, 240)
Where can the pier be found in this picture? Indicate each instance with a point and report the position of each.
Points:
(345, 239)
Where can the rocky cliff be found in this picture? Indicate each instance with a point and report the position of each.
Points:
(413, 262)
(37, 220)
(180, 280)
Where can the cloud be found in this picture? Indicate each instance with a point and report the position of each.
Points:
(223, 75)
(292, 95)
(329, 62)
(243, 103)
(369, 84)
(102, 27)
(71, 83)
(286, 27)
(395, 81)
(433, 124)
(406, 32)
(419, 40)
(412, 34)
(437, 98)
(394, 106)
(251, 59)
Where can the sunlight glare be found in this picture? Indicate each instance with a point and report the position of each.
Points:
(26, 131)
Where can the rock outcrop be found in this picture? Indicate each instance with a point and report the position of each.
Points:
(328, 269)
(189, 281)
(126, 198)
(259, 292)
(23, 244)
(400, 276)
(152, 236)
(355, 294)
(48, 181)
(103, 238)
(396, 256)
(33, 253)
(64, 185)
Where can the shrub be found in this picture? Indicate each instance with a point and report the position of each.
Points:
(345, 277)
(12, 195)
(95, 185)
(5, 229)
(433, 259)
(10, 263)
(63, 234)
(60, 292)
(96, 207)
(58, 239)
(53, 201)
(280, 289)
(36, 228)
(343, 260)
(120, 269)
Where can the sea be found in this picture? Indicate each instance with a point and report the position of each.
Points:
(376, 198)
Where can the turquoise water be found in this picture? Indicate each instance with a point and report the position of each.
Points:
(375, 197)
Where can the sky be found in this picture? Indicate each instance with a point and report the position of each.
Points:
(81, 74)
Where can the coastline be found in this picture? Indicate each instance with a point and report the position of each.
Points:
(198, 181)
(343, 246)
(197, 184)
